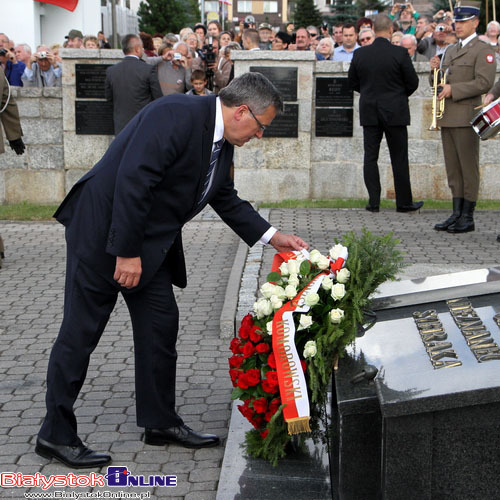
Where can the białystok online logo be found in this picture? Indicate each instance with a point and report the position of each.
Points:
(116, 476)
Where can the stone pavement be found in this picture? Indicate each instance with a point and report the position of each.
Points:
(31, 289)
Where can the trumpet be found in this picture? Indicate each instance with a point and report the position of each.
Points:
(439, 80)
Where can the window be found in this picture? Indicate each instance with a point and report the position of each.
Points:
(211, 6)
(244, 6)
(270, 7)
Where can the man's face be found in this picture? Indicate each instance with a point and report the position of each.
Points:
(4, 41)
(264, 35)
(278, 44)
(405, 16)
(337, 34)
(466, 28)
(290, 28)
(302, 39)
(409, 45)
(243, 126)
(21, 54)
(44, 64)
(75, 43)
(199, 85)
(349, 37)
(421, 24)
(212, 30)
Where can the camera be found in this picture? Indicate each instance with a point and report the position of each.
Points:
(3, 52)
(439, 28)
(403, 6)
(177, 56)
(325, 25)
(208, 52)
(42, 55)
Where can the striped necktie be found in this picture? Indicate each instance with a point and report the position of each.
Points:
(213, 162)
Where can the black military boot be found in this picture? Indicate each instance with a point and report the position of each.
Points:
(457, 211)
(2, 255)
(465, 223)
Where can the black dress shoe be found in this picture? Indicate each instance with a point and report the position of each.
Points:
(371, 208)
(183, 435)
(78, 457)
(410, 208)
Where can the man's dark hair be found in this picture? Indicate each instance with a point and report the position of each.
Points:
(349, 26)
(198, 74)
(128, 43)
(252, 35)
(381, 22)
(284, 37)
(254, 90)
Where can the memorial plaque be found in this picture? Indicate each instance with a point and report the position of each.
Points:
(285, 79)
(90, 80)
(286, 124)
(333, 91)
(94, 117)
(334, 122)
(424, 424)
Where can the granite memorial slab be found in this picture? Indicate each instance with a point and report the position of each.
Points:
(334, 92)
(286, 124)
(334, 122)
(283, 78)
(89, 80)
(417, 398)
(94, 117)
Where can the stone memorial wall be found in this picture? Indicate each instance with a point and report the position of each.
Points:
(313, 151)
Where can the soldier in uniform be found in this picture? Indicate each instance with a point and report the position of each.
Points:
(492, 95)
(470, 65)
(9, 117)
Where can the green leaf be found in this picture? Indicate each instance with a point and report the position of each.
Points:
(305, 267)
(274, 277)
(237, 393)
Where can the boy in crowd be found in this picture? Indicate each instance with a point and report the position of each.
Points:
(199, 82)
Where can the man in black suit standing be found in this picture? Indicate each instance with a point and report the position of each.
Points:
(123, 230)
(384, 75)
(131, 84)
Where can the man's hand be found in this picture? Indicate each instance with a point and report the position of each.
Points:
(168, 55)
(435, 62)
(445, 92)
(128, 271)
(287, 242)
(488, 99)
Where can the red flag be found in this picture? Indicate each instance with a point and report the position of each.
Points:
(65, 4)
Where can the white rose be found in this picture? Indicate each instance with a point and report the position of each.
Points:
(276, 302)
(279, 291)
(284, 269)
(293, 267)
(305, 321)
(262, 308)
(336, 316)
(343, 275)
(300, 258)
(323, 263)
(310, 349)
(327, 283)
(312, 299)
(269, 327)
(267, 289)
(336, 251)
(314, 256)
(338, 291)
(290, 291)
(293, 280)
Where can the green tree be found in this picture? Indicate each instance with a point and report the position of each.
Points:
(167, 16)
(343, 11)
(306, 14)
(363, 5)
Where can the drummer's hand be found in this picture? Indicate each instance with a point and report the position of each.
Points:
(489, 98)
(446, 92)
(435, 62)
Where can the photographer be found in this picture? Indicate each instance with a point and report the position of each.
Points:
(217, 69)
(13, 68)
(404, 13)
(174, 73)
(42, 70)
(436, 44)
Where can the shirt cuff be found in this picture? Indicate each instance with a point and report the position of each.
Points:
(266, 237)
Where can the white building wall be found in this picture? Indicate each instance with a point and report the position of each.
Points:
(19, 21)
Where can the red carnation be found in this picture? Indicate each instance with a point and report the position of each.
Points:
(272, 377)
(235, 346)
(246, 411)
(243, 381)
(253, 376)
(262, 348)
(272, 408)
(255, 336)
(264, 434)
(260, 405)
(257, 422)
(271, 361)
(304, 365)
(235, 361)
(234, 374)
(246, 325)
(248, 350)
(270, 384)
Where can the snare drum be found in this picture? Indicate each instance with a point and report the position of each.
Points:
(487, 123)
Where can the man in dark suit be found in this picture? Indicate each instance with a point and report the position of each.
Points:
(384, 75)
(123, 230)
(131, 84)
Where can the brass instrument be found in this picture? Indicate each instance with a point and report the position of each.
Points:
(439, 80)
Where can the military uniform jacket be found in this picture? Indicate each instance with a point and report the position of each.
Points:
(471, 73)
(496, 90)
(10, 116)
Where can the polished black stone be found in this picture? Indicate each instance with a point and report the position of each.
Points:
(94, 117)
(285, 124)
(89, 80)
(284, 79)
(333, 91)
(334, 122)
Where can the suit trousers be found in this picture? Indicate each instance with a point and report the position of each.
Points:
(88, 302)
(461, 158)
(397, 141)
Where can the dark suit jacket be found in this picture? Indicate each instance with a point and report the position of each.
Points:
(135, 201)
(384, 76)
(130, 85)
